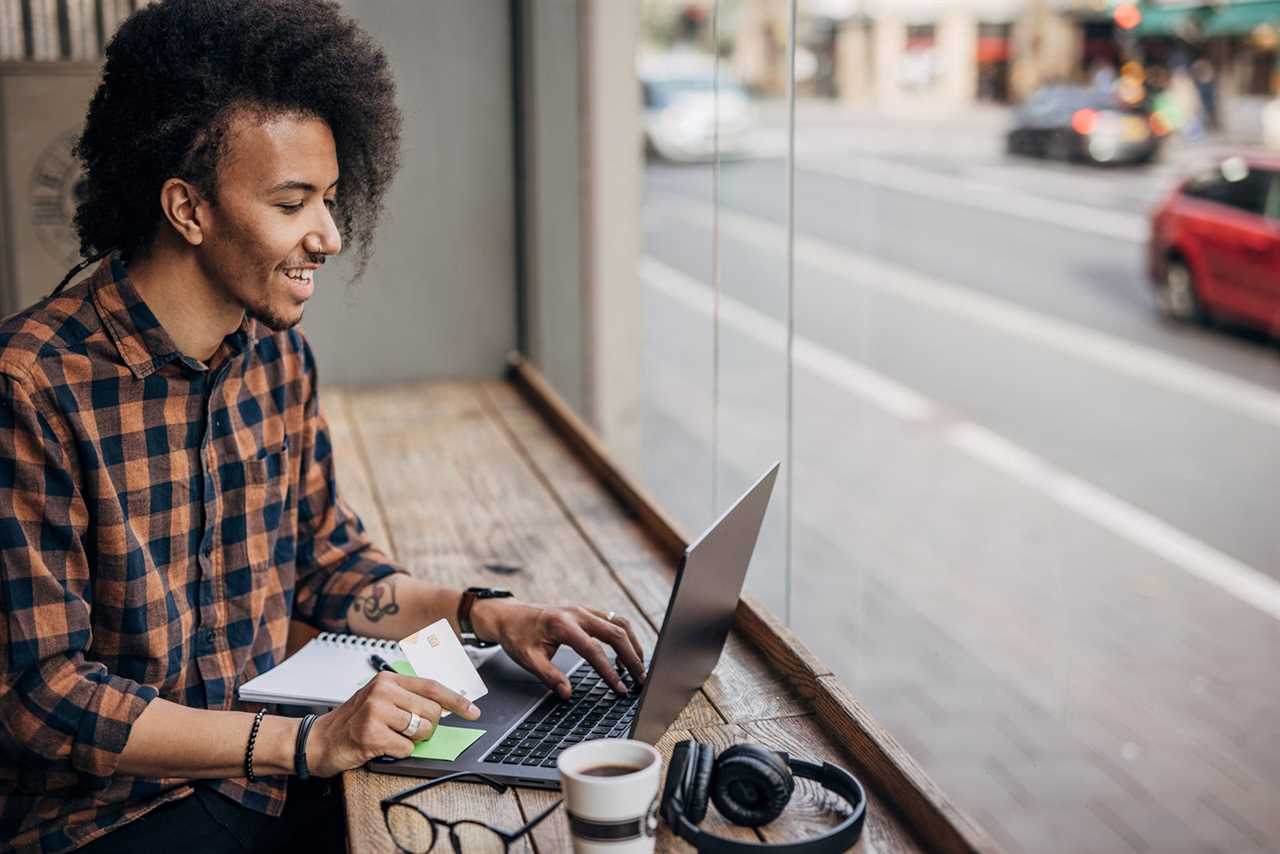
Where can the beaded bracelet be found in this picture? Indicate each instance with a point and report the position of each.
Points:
(248, 751)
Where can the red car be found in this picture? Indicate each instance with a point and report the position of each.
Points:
(1215, 244)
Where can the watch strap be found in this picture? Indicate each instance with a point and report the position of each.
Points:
(469, 596)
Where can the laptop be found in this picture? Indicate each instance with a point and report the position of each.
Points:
(527, 725)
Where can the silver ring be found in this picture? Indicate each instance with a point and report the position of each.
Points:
(412, 728)
(609, 619)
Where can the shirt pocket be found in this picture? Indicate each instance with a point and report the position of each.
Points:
(262, 502)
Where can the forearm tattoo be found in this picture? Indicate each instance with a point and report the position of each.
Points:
(377, 601)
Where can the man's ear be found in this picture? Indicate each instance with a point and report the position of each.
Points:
(183, 207)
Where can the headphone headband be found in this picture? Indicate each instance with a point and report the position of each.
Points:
(840, 838)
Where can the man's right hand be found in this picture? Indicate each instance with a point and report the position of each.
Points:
(370, 724)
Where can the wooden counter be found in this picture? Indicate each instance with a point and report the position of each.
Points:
(452, 475)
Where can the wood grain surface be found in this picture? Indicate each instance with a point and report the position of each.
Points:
(458, 474)
(933, 818)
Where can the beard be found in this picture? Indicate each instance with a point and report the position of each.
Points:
(272, 320)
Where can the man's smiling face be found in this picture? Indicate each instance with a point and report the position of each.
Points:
(272, 226)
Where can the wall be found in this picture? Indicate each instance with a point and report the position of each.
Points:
(554, 196)
(42, 106)
(614, 152)
(583, 159)
(439, 295)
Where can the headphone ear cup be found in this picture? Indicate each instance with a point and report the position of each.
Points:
(752, 785)
(675, 775)
(695, 800)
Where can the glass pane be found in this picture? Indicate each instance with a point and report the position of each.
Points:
(714, 365)
(1032, 530)
(676, 70)
(1030, 524)
(751, 250)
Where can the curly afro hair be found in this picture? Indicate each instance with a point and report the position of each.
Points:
(178, 70)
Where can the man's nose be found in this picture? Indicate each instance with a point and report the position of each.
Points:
(324, 239)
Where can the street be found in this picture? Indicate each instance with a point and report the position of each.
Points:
(1033, 522)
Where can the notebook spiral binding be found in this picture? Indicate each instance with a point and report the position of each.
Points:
(357, 640)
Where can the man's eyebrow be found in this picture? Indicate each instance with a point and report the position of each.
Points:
(304, 186)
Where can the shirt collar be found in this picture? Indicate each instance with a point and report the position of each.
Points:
(142, 342)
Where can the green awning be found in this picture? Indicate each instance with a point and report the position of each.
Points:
(1167, 20)
(1241, 18)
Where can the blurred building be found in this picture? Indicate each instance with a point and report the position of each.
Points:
(898, 55)
(938, 56)
(1230, 47)
(928, 55)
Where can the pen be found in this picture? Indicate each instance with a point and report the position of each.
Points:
(379, 663)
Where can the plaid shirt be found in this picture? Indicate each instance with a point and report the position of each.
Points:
(160, 522)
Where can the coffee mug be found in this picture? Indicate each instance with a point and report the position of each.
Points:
(611, 794)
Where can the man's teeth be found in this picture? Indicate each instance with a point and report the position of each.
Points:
(300, 275)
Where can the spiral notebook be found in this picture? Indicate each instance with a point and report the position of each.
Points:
(325, 672)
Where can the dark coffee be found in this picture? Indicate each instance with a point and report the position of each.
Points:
(611, 770)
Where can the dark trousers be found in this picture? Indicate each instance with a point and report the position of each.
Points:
(313, 821)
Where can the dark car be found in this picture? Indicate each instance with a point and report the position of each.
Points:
(1078, 123)
(1215, 244)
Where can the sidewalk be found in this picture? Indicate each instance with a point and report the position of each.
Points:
(976, 132)
(824, 126)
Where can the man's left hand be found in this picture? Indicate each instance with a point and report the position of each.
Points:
(531, 635)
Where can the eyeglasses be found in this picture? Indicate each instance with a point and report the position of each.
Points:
(414, 831)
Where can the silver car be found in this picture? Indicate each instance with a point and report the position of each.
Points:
(679, 97)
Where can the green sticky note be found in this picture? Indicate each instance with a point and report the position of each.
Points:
(398, 666)
(447, 743)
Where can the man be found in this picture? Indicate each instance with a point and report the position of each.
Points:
(167, 496)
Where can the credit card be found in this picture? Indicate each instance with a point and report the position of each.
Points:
(436, 653)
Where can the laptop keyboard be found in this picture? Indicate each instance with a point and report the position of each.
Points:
(554, 725)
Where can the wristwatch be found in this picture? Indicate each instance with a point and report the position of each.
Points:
(469, 597)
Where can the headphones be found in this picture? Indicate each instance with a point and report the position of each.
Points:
(750, 786)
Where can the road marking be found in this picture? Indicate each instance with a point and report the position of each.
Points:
(1088, 345)
(1066, 183)
(1194, 557)
(888, 394)
(986, 196)
(1120, 517)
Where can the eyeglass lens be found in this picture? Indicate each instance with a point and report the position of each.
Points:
(412, 831)
(475, 838)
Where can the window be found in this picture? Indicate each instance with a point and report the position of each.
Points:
(1234, 185)
(1027, 522)
(917, 67)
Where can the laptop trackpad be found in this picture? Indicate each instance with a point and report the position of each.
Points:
(512, 689)
(500, 667)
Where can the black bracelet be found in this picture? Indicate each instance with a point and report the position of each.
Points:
(248, 751)
(300, 748)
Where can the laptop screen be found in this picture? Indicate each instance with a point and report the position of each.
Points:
(700, 611)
